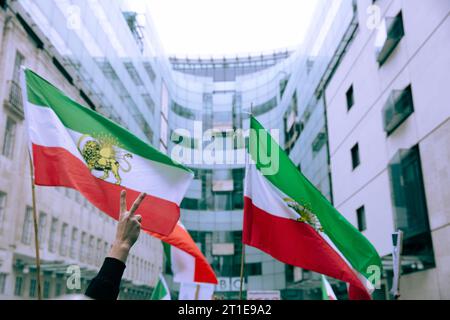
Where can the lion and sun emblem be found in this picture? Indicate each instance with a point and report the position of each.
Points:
(101, 153)
(306, 216)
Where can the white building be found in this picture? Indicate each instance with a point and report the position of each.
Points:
(389, 137)
(71, 230)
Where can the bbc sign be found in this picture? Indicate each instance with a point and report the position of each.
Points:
(229, 284)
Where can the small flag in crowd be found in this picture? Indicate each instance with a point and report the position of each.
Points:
(327, 290)
(184, 258)
(288, 218)
(73, 146)
(161, 291)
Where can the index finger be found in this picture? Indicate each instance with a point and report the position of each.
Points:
(123, 202)
(137, 203)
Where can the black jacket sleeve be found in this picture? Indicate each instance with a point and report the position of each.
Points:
(106, 284)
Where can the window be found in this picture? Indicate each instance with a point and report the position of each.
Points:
(73, 243)
(9, 138)
(132, 267)
(238, 186)
(2, 208)
(41, 228)
(135, 28)
(397, 109)
(408, 195)
(14, 102)
(292, 128)
(151, 74)
(58, 289)
(319, 142)
(361, 217)
(2, 283)
(149, 102)
(18, 62)
(350, 98)
(99, 252)
(105, 249)
(46, 291)
(410, 208)
(52, 238)
(222, 201)
(91, 250)
(254, 269)
(309, 65)
(63, 70)
(88, 100)
(355, 156)
(83, 246)
(264, 107)
(390, 34)
(29, 30)
(18, 286)
(27, 225)
(32, 290)
(64, 239)
(283, 84)
(148, 132)
(185, 112)
(134, 75)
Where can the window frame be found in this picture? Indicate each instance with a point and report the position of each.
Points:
(350, 97)
(361, 218)
(52, 235)
(355, 156)
(27, 226)
(9, 137)
(3, 204)
(18, 286)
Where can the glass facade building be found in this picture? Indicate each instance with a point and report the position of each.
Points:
(284, 90)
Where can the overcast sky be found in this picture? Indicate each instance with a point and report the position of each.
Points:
(217, 27)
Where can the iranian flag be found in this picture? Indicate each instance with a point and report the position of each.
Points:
(75, 147)
(185, 259)
(288, 218)
(161, 291)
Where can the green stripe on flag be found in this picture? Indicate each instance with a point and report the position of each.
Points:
(168, 257)
(351, 243)
(78, 118)
(160, 292)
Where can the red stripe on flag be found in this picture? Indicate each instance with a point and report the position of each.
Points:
(55, 166)
(181, 239)
(297, 244)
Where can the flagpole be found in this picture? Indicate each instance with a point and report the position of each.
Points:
(36, 237)
(197, 289)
